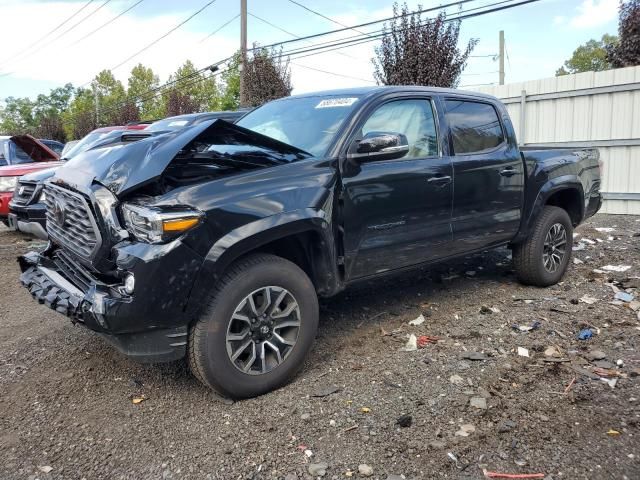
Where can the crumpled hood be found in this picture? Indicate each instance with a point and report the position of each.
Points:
(134, 161)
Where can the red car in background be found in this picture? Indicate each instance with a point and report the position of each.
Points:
(19, 155)
(24, 154)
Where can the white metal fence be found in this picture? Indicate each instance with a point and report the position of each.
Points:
(592, 109)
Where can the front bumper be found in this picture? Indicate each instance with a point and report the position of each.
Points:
(149, 326)
(31, 219)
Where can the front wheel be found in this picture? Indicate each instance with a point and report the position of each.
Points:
(543, 258)
(257, 328)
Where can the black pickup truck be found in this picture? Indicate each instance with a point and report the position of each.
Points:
(214, 242)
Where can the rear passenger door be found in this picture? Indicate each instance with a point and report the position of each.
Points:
(488, 175)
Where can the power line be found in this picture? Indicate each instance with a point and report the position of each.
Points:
(51, 42)
(48, 33)
(92, 32)
(292, 34)
(325, 17)
(355, 41)
(374, 22)
(165, 35)
(219, 28)
(333, 73)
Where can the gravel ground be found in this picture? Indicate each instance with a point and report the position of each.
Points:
(66, 407)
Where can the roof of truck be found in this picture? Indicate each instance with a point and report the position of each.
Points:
(380, 89)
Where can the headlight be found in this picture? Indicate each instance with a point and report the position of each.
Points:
(156, 224)
(8, 184)
(43, 197)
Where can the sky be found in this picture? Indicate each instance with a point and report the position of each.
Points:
(539, 37)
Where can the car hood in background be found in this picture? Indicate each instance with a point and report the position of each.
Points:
(37, 150)
(136, 159)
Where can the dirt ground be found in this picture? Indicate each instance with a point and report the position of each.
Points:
(66, 407)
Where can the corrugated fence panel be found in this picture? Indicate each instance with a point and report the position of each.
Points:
(600, 109)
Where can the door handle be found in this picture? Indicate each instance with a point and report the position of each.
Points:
(440, 179)
(508, 172)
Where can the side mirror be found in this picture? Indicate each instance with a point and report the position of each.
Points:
(380, 146)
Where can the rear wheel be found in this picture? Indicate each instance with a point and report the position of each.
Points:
(543, 258)
(258, 326)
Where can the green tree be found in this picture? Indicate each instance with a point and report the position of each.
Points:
(17, 116)
(112, 98)
(230, 85)
(79, 118)
(141, 92)
(589, 57)
(192, 90)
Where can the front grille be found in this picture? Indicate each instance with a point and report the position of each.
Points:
(24, 192)
(70, 222)
(72, 271)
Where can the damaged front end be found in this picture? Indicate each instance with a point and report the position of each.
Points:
(123, 254)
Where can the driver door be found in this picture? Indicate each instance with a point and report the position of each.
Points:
(397, 213)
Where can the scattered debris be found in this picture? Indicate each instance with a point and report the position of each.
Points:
(613, 432)
(552, 351)
(326, 391)
(456, 380)
(317, 469)
(404, 421)
(45, 468)
(624, 297)
(523, 352)
(365, 410)
(566, 390)
(512, 475)
(424, 340)
(585, 334)
(615, 268)
(412, 344)
(527, 328)
(478, 402)
(506, 426)
(465, 430)
(605, 229)
(588, 300)
(476, 356)
(595, 355)
(137, 400)
(577, 261)
(417, 321)
(365, 470)
(487, 310)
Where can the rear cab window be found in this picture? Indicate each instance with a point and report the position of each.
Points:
(475, 126)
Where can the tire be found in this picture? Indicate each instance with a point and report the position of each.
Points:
(529, 256)
(228, 315)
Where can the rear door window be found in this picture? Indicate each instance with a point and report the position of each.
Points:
(475, 126)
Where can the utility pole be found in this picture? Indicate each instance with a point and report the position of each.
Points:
(243, 49)
(501, 57)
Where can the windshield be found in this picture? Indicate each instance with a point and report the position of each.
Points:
(85, 143)
(308, 123)
(15, 153)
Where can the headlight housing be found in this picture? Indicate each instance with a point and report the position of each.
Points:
(159, 224)
(8, 184)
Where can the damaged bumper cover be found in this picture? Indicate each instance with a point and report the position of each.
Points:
(138, 325)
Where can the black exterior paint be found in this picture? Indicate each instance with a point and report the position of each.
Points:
(356, 220)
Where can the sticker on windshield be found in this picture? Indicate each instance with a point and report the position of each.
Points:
(336, 102)
(178, 123)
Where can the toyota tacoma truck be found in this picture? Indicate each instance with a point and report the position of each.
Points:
(214, 242)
